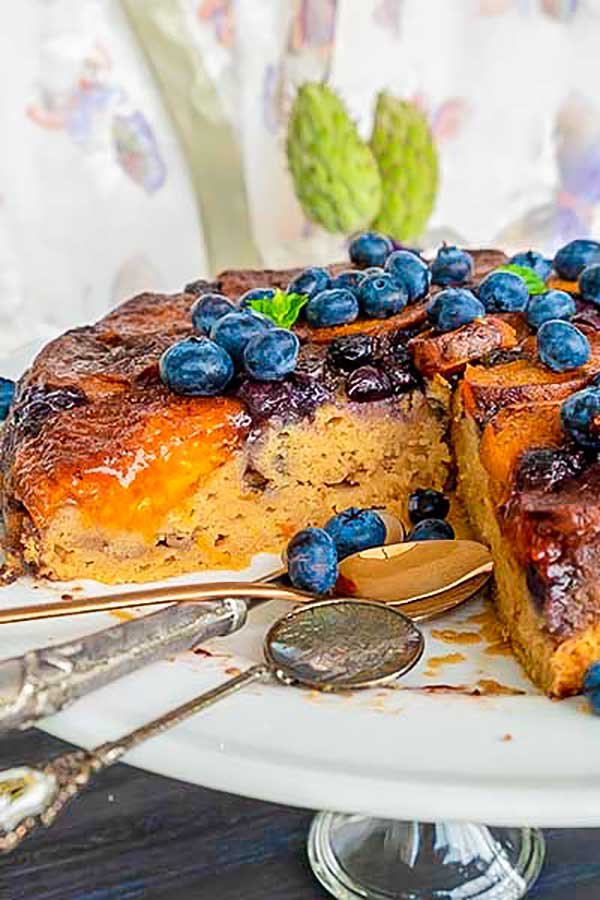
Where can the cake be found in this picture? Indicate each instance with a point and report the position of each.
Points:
(108, 474)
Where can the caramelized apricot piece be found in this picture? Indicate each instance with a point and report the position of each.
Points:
(486, 390)
(514, 430)
(449, 352)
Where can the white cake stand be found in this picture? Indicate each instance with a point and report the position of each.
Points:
(386, 761)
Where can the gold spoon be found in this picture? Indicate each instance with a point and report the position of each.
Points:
(440, 573)
(414, 571)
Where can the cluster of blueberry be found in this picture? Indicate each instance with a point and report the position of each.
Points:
(313, 554)
(229, 338)
(561, 345)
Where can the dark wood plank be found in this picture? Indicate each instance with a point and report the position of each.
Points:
(135, 835)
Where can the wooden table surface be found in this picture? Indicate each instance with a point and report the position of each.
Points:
(135, 835)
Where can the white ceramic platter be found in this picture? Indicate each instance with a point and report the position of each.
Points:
(402, 753)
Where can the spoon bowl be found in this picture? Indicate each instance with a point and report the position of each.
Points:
(444, 571)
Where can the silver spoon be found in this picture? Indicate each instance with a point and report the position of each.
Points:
(314, 646)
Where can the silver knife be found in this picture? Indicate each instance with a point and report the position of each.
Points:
(44, 681)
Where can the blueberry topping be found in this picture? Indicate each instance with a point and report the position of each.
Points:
(368, 383)
(312, 561)
(589, 284)
(310, 282)
(234, 330)
(372, 270)
(503, 292)
(551, 305)
(370, 249)
(332, 307)
(356, 529)
(425, 503)
(545, 468)
(349, 279)
(381, 296)
(196, 367)
(454, 307)
(451, 266)
(562, 346)
(7, 392)
(591, 679)
(580, 417)
(431, 530)
(533, 260)
(258, 293)
(575, 256)
(290, 400)
(591, 686)
(412, 273)
(208, 308)
(401, 377)
(271, 355)
(350, 351)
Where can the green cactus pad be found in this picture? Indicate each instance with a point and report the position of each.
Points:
(335, 174)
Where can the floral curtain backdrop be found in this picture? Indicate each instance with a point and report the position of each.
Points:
(144, 140)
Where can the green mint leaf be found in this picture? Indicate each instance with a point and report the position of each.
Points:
(534, 283)
(282, 309)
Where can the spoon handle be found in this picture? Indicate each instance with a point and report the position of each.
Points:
(42, 794)
(172, 593)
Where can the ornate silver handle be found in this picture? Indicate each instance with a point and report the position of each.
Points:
(31, 797)
(44, 681)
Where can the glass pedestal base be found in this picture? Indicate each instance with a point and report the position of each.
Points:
(359, 858)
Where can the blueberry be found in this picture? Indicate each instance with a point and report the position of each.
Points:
(381, 296)
(332, 307)
(196, 367)
(545, 468)
(258, 293)
(356, 529)
(575, 256)
(431, 530)
(370, 249)
(591, 686)
(580, 417)
(454, 307)
(368, 383)
(208, 308)
(350, 351)
(591, 679)
(7, 392)
(551, 305)
(271, 355)
(425, 503)
(411, 271)
(310, 282)
(349, 279)
(593, 698)
(562, 346)
(451, 266)
(503, 292)
(234, 330)
(312, 561)
(530, 259)
(589, 284)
